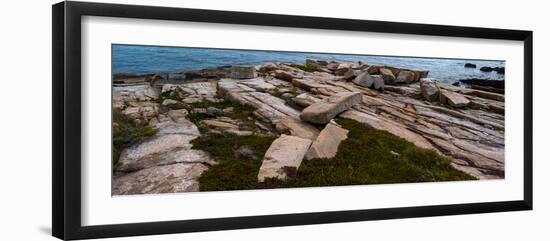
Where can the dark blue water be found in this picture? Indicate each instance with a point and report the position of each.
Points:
(150, 59)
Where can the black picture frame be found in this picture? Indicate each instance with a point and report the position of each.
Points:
(66, 58)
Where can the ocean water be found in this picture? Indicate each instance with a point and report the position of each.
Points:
(152, 59)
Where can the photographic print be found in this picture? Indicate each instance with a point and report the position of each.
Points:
(188, 119)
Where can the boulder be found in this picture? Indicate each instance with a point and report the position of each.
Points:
(429, 89)
(420, 74)
(283, 158)
(326, 144)
(387, 75)
(470, 65)
(395, 71)
(283, 75)
(323, 111)
(312, 64)
(453, 99)
(297, 128)
(342, 69)
(367, 80)
(486, 69)
(332, 66)
(406, 77)
(374, 69)
(499, 70)
(243, 72)
(351, 74)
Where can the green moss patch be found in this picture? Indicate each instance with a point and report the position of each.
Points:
(240, 112)
(309, 69)
(126, 133)
(366, 157)
(236, 170)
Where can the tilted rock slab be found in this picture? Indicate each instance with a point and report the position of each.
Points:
(454, 99)
(429, 89)
(326, 144)
(283, 157)
(324, 111)
(297, 128)
(367, 80)
(268, 106)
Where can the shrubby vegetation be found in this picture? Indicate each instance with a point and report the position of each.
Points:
(366, 157)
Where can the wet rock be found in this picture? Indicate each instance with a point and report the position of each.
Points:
(323, 111)
(486, 69)
(429, 89)
(284, 155)
(499, 70)
(297, 127)
(454, 99)
(470, 65)
(326, 144)
(456, 84)
(243, 72)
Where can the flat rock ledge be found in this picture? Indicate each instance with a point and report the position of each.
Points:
(465, 125)
(324, 111)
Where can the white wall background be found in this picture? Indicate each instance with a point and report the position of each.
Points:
(25, 137)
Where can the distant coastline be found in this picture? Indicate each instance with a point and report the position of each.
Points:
(140, 60)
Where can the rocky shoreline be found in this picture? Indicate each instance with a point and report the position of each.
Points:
(296, 105)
